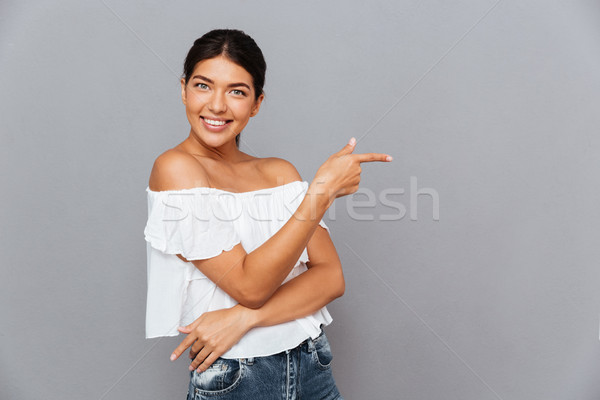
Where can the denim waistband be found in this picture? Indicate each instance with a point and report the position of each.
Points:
(308, 345)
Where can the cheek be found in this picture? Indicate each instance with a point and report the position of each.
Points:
(242, 110)
(194, 100)
(192, 106)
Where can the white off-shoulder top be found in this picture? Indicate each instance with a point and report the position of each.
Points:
(200, 223)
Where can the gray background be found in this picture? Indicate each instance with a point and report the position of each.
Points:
(494, 105)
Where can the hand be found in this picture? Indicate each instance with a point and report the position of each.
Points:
(213, 334)
(340, 174)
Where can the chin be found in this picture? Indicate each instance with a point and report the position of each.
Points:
(213, 141)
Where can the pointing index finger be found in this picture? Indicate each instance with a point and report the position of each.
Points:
(187, 342)
(368, 157)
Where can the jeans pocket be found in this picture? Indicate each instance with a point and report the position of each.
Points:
(322, 354)
(221, 377)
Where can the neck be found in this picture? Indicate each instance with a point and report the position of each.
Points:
(227, 152)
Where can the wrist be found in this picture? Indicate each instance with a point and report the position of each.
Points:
(319, 197)
(250, 317)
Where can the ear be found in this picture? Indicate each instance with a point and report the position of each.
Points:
(183, 90)
(257, 104)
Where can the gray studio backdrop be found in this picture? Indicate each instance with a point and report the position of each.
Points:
(490, 109)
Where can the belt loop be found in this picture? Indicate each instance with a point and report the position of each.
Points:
(311, 345)
(250, 360)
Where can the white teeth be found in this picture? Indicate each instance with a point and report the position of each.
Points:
(216, 123)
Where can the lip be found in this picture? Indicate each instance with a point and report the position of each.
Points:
(213, 128)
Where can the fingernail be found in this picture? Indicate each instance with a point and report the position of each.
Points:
(173, 357)
(352, 141)
(389, 158)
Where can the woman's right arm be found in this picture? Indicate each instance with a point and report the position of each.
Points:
(252, 278)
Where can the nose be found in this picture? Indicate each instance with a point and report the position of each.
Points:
(217, 103)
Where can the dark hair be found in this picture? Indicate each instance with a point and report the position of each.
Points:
(236, 46)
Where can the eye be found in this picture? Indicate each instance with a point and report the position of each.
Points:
(202, 85)
(238, 92)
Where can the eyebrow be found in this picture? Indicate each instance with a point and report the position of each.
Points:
(211, 81)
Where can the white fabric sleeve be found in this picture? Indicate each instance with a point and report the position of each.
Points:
(192, 223)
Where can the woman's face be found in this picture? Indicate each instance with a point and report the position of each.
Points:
(219, 100)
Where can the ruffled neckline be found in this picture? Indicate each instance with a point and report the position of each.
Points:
(215, 190)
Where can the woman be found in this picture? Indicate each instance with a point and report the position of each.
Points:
(234, 248)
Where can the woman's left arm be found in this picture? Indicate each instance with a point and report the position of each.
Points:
(215, 332)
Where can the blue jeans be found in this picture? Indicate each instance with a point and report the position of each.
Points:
(303, 372)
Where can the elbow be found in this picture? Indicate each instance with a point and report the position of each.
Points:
(250, 293)
(251, 303)
(252, 299)
(340, 289)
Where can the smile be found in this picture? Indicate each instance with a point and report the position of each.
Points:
(214, 122)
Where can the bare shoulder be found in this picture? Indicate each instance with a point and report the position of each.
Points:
(279, 171)
(175, 170)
